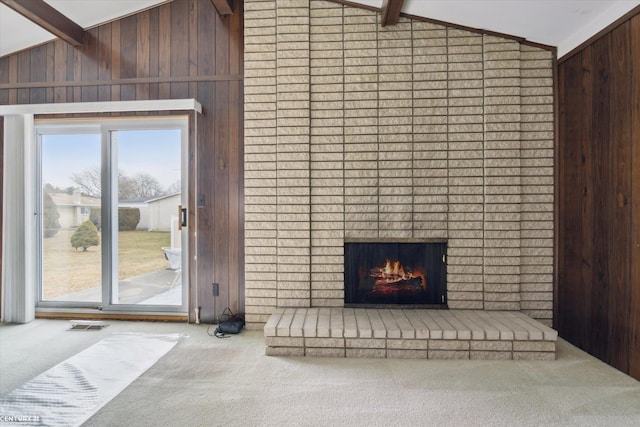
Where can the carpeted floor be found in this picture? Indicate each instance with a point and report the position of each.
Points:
(230, 382)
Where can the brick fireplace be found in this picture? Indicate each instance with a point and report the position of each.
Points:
(416, 131)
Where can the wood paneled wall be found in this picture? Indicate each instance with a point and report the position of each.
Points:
(598, 295)
(181, 49)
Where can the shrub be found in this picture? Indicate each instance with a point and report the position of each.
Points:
(50, 215)
(128, 219)
(95, 217)
(86, 235)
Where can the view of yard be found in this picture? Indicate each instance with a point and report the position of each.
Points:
(67, 270)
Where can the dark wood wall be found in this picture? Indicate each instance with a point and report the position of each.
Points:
(598, 294)
(181, 49)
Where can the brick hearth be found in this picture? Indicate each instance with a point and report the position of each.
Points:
(408, 334)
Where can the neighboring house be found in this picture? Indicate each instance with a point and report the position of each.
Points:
(162, 210)
(74, 209)
(143, 206)
(155, 214)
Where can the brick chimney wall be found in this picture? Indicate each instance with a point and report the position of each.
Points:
(414, 131)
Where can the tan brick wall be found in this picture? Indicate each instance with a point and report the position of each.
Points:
(410, 131)
(260, 160)
(536, 271)
(327, 154)
(502, 175)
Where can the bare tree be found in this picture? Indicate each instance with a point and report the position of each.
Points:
(139, 186)
(175, 187)
(89, 181)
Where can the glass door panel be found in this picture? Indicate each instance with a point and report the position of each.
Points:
(70, 203)
(149, 237)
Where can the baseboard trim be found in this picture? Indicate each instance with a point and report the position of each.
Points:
(112, 316)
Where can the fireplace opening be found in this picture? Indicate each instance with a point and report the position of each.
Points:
(396, 273)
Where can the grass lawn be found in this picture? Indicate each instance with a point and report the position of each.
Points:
(67, 270)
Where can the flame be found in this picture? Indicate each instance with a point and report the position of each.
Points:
(392, 272)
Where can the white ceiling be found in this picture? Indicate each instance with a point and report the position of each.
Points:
(564, 24)
(17, 32)
(561, 23)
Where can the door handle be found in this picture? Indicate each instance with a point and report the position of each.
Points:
(182, 215)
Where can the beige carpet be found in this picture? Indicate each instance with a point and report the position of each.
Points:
(73, 390)
(230, 382)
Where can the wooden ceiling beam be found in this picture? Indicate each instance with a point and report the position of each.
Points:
(45, 16)
(390, 12)
(224, 7)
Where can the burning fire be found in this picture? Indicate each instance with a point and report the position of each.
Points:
(393, 272)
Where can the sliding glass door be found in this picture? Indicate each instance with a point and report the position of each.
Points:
(112, 227)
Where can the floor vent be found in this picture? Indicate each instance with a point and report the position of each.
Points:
(87, 325)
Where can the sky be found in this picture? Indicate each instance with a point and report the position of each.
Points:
(156, 152)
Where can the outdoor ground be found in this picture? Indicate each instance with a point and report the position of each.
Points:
(67, 270)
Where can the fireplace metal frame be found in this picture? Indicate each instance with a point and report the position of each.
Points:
(442, 278)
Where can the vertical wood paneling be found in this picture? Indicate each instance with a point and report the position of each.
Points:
(585, 213)
(206, 213)
(115, 59)
(222, 44)
(164, 66)
(193, 46)
(206, 57)
(128, 55)
(38, 73)
(620, 260)
(206, 158)
(67, 60)
(179, 47)
(4, 78)
(599, 171)
(89, 65)
(13, 77)
(76, 54)
(104, 61)
(24, 68)
(221, 201)
(51, 58)
(173, 41)
(572, 202)
(236, 207)
(236, 29)
(221, 154)
(601, 181)
(236, 155)
(634, 298)
(142, 54)
(60, 70)
(236, 160)
(154, 53)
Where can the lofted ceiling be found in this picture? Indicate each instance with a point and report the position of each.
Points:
(17, 32)
(564, 24)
